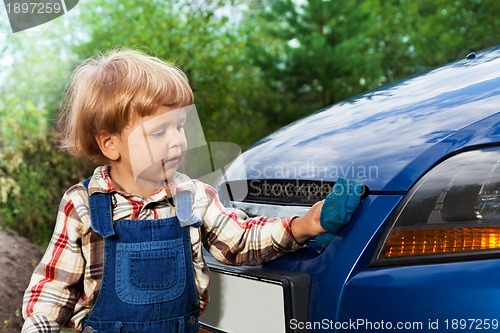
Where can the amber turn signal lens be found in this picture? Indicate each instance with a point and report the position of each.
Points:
(413, 242)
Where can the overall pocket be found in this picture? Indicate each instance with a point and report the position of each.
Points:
(151, 272)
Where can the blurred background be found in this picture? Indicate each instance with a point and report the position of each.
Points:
(254, 65)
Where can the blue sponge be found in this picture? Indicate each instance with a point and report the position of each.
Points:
(338, 208)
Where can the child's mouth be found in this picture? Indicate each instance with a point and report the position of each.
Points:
(172, 160)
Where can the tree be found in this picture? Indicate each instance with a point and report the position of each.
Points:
(199, 37)
(35, 66)
(313, 53)
(416, 35)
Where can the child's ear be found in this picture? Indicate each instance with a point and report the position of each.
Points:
(109, 145)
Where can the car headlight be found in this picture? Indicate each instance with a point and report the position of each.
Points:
(452, 213)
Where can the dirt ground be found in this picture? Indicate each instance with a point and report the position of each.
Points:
(18, 258)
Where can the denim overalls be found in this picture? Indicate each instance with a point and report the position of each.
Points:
(148, 279)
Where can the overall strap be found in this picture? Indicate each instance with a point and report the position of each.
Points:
(184, 205)
(100, 212)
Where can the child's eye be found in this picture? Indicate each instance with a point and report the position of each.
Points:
(157, 133)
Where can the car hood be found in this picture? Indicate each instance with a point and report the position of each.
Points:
(386, 138)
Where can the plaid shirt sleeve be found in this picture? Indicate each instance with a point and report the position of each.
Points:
(55, 296)
(50, 298)
(234, 238)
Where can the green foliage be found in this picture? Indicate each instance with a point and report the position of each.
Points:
(33, 178)
(199, 38)
(35, 67)
(312, 54)
(451, 29)
(315, 53)
(416, 35)
(255, 65)
(16, 115)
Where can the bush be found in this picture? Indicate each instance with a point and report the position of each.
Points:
(33, 178)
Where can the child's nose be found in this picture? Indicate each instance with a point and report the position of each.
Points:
(177, 139)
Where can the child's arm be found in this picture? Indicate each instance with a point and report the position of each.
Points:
(54, 289)
(234, 238)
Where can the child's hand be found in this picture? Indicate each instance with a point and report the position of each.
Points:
(308, 225)
(339, 207)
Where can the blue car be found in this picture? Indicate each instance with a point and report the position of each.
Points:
(421, 253)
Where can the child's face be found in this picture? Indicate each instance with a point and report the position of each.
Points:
(157, 145)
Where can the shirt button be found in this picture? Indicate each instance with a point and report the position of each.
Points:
(87, 329)
(192, 320)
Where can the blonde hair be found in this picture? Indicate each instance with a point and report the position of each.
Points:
(108, 91)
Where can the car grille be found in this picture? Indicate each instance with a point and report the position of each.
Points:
(284, 192)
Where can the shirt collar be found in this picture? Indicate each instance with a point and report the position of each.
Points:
(101, 182)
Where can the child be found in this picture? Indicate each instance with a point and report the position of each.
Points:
(126, 253)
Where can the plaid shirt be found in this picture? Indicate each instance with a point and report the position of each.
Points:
(65, 284)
